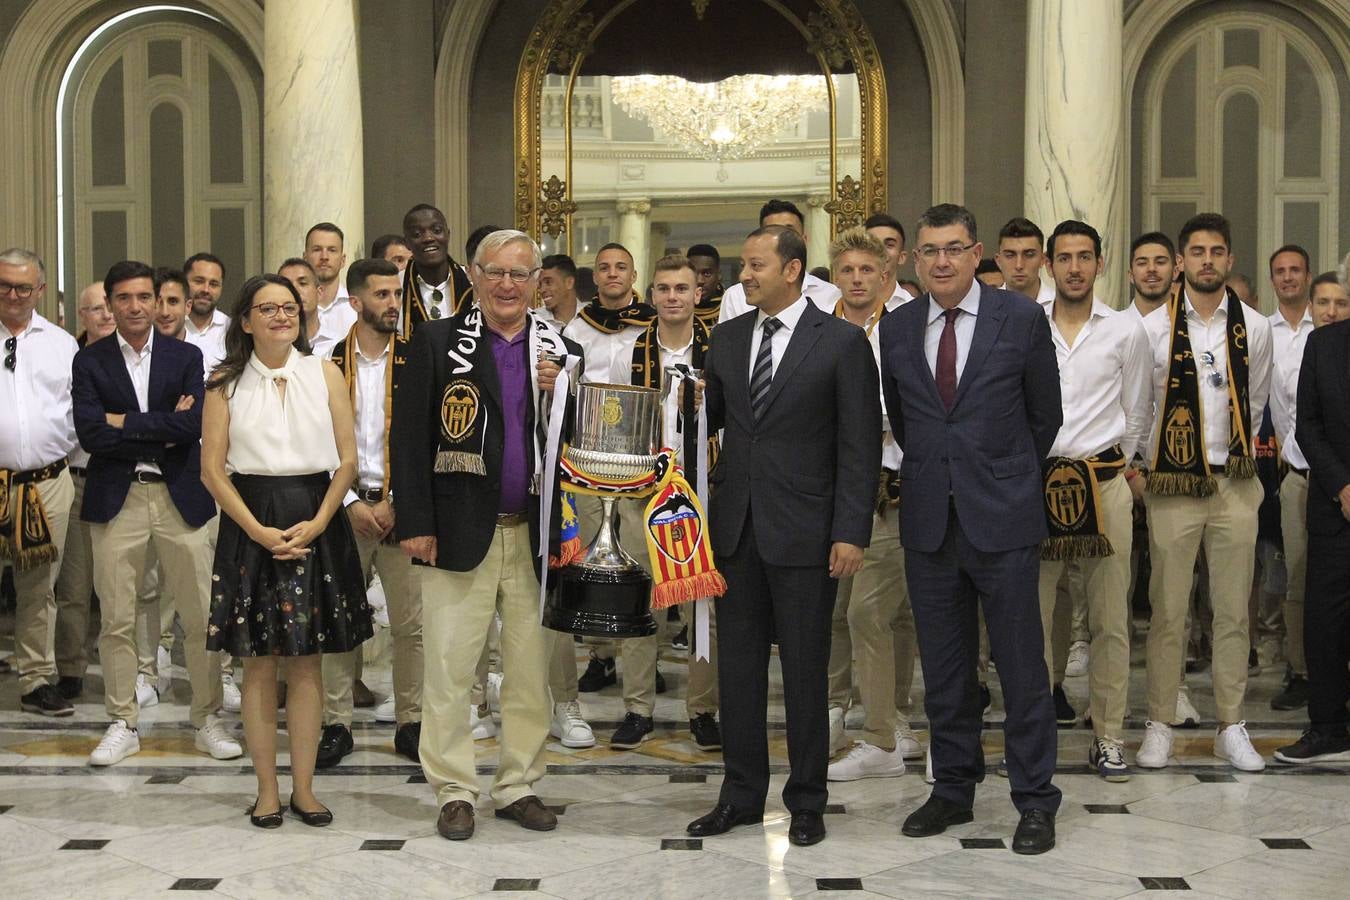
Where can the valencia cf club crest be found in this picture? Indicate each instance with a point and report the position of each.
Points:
(459, 409)
(1066, 496)
(675, 525)
(1179, 436)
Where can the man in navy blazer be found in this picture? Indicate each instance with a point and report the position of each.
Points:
(972, 391)
(138, 401)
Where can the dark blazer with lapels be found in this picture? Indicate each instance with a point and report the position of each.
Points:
(986, 454)
(1323, 428)
(171, 440)
(808, 468)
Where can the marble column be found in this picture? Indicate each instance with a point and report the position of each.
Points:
(313, 164)
(817, 231)
(635, 234)
(1075, 107)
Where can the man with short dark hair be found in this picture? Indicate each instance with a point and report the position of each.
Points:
(393, 248)
(887, 229)
(38, 434)
(707, 263)
(298, 271)
(1153, 265)
(434, 285)
(784, 214)
(1211, 378)
(558, 289)
(137, 404)
(326, 256)
(171, 303)
(206, 324)
(1021, 257)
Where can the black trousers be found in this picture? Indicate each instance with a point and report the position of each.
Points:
(1326, 630)
(944, 587)
(794, 603)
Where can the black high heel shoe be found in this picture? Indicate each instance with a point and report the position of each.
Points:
(313, 819)
(270, 820)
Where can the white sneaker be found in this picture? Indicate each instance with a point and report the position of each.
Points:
(907, 742)
(163, 670)
(867, 761)
(118, 743)
(1077, 666)
(1234, 745)
(385, 711)
(837, 739)
(1187, 716)
(379, 605)
(231, 701)
(214, 738)
(569, 727)
(1156, 750)
(482, 726)
(146, 695)
(928, 768)
(492, 693)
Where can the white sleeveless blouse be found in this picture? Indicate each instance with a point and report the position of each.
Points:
(272, 436)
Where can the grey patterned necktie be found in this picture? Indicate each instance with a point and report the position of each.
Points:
(761, 377)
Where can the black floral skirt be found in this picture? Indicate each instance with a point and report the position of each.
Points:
(262, 606)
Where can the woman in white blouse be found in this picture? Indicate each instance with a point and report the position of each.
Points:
(286, 582)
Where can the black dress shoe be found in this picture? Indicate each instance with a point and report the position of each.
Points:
(935, 817)
(1065, 717)
(660, 682)
(334, 743)
(807, 828)
(270, 820)
(317, 819)
(406, 740)
(1035, 833)
(70, 687)
(722, 819)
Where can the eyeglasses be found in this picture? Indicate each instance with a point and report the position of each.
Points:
(496, 273)
(22, 291)
(1214, 376)
(11, 353)
(929, 253)
(270, 310)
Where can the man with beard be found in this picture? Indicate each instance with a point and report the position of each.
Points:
(1211, 376)
(707, 264)
(1153, 267)
(326, 256)
(371, 358)
(434, 285)
(206, 325)
(171, 304)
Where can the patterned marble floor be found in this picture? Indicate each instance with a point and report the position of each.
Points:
(170, 819)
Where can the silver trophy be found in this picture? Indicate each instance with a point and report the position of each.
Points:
(616, 438)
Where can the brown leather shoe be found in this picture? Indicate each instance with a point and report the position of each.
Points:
(455, 822)
(530, 813)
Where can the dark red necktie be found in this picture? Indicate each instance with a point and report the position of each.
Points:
(946, 360)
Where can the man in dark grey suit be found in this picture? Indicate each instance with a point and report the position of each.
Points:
(795, 391)
(972, 389)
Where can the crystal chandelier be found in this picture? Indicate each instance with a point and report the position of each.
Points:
(720, 120)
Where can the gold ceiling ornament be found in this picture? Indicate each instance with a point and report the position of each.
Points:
(700, 7)
(556, 208)
(573, 43)
(848, 208)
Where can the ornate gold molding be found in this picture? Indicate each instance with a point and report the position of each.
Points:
(849, 207)
(556, 208)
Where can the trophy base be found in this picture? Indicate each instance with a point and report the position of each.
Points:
(601, 604)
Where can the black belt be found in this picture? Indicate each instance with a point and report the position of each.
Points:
(30, 475)
(78, 470)
(508, 519)
(1301, 473)
(148, 478)
(370, 495)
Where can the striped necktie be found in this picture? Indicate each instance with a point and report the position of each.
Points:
(761, 377)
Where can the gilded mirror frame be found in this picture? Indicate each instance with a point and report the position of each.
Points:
(835, 33)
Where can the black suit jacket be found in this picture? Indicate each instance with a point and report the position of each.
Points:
(1323, 426)
(171, 440)
(459, 508)
(809, 467)
(985, 454)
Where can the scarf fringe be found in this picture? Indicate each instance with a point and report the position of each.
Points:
(1240, 467)
(685, 590)
(1076, 546)
(569, 551)
(36, 556)
(1181, 484)
(459, 461)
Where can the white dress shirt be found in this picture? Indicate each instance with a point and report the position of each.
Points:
(822, 294)
(1284, 396)
(38, 426)
(899, 297)
(338, 317)
(1283, 336)
(608, 357)
(370, 419)
(210, 340)
(1211, 336)
(778, 342)
(965, 329)
(138, 367)
(1105, 383)
(428, 294)
(674, 356)
(891, 456)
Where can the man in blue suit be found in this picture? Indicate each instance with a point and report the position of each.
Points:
(138, 403)
(972, 391)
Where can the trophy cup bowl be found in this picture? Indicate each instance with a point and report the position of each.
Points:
(617, 437)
